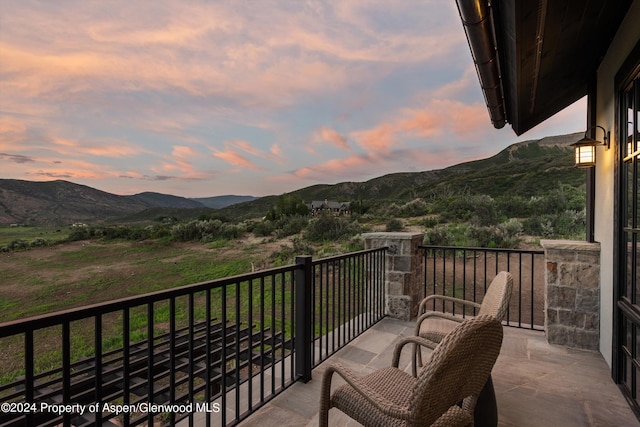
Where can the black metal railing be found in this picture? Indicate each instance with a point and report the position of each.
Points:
(210, 353)
(467, 272)
(347, 299)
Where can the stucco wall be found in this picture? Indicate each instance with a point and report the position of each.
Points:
(626, 38)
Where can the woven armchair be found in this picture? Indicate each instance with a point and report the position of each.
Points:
(435, 325)
(456, 372)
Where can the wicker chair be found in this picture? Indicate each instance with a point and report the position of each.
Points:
(456, 372)
(435, 325)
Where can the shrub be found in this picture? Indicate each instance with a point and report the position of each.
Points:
(288, 226)
(327, 227)
(564, 198)
(263, 228)
(353, 245)
(205, 231)
(81, 233)
(38, 242)
(230, 231)
(18, 245)
(416, 207)
(513, 206)
(286, 255)
(394, 225)
(505, 235)
(431, 221)
(479, 209)
(439, 236)
(566, 224)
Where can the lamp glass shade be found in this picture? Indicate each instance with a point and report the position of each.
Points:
(585, 156)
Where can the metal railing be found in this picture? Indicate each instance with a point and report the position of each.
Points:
(348, 298)
(467, 272)
(210, 353)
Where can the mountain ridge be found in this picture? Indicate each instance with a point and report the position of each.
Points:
(525, 168)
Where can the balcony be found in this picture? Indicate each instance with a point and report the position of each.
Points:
(251, 349)
(536, 384)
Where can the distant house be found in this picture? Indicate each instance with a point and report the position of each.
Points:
(337, 208)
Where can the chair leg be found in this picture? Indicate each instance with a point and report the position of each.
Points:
(324, 418)
(485, 413)
(325, 397)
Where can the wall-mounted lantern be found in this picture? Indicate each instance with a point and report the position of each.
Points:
(586, 148)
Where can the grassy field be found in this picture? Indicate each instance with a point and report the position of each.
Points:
(74, 274)
(58, 277)
(51, 234)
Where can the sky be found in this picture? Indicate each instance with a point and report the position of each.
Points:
(246, 97)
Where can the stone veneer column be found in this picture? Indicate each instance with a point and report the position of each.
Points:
(403, 271)
(572, 293)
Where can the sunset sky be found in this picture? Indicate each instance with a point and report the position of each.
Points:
(247, 97)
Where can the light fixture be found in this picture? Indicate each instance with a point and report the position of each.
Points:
(586, 148)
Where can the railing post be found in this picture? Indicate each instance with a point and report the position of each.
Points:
(303, 333)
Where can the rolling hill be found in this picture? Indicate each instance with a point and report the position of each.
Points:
(526, 169)
(62, 202)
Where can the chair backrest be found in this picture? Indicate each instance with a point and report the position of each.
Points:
(496, 301)
(459, 368)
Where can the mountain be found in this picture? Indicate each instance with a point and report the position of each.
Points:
(526, 169)
(59, 202)
(166, 200)
(218, 202)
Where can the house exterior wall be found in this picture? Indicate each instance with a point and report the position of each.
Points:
(627, 36)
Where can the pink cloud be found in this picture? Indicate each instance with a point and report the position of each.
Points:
(433, 120)
(234, 158)
(182, 151)
(235, 151)
(347, 166)
(331, 136)
(423, 123)
(180, 160)
(379, 139)
(101, 147)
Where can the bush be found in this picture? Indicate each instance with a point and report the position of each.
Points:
(566, 224)
(263, 228)
(431, 221)
(416, 207)
(205, 231)
(38, 242)
(286, 255)
(80, 233)
(439, 236)
(564, 198)
(513, 206)
(230, 231)
(327, 227)
(505, 235)
(479, 209)
(290, 225)
(18, 245)
(394, 225)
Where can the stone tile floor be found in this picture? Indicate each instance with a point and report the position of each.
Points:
(536, 384)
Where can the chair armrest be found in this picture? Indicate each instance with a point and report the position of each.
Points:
(429, 314)
(382, 403)
(410, 340)
(423, 304)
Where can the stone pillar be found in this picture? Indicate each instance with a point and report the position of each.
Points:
(403, 292)
(572, 293)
